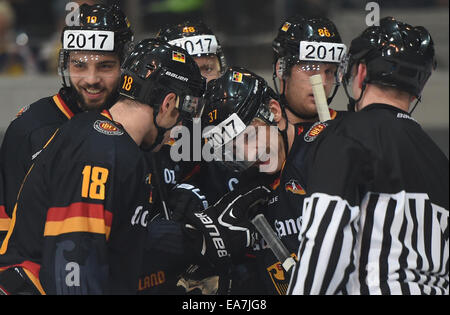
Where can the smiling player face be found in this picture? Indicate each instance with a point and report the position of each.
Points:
(95, 77)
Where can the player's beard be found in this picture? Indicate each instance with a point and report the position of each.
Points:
(301, 111)
(110, 99)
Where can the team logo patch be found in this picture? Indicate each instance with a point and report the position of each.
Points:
(294, 187)
(23, 110)
(237, 77)
(286, 26)
(314, 131)
(278, 276)
(177, 56)
(107, 128)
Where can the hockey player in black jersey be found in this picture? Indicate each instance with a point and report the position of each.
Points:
(296, 58)
(84, 222)
(375, 218)
(201, 43)
(298, 54)
(209, 180)
(89, 65)
(80, 223)
(240, 104)
(305, 46)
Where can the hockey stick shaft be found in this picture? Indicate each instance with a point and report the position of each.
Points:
(280, 251)
(320, 97)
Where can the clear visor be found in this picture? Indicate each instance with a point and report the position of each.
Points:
(240, 147)
(85, 64)
(191, 107)
(314, 58)
(302, 71)
(343, 69)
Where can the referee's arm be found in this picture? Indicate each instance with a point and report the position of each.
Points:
(330, 217)
(328, 237)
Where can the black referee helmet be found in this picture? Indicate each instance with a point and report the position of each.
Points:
(396, 54)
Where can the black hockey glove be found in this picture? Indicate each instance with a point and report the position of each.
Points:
(185, 198)
(226, 227)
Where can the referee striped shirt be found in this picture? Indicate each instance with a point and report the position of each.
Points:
(393, 244)
(375, 220)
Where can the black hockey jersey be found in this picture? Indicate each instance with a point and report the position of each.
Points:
(213, 179)
(79, 225)
(167, 253)
(25, 137)
(284, 211)
(375, 218)
(168, 250)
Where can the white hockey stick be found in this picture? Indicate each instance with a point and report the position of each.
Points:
(320, 97)
(275, 244)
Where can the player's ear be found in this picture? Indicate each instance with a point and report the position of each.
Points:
(361, 74)
(275, 108)
(168, 104)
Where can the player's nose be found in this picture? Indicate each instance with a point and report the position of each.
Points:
(92, 76)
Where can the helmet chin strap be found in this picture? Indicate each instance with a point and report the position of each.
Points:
(330, 99)
(351, 106)
(161, 131)
(419, 99)
(283, 132)
(283, 104)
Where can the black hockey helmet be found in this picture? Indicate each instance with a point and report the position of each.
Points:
(238, 91)
(232, 103)
(298, 29)
(396, 54)
(195, 37)
(155, 68)
(100, 28)
(307, 40)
